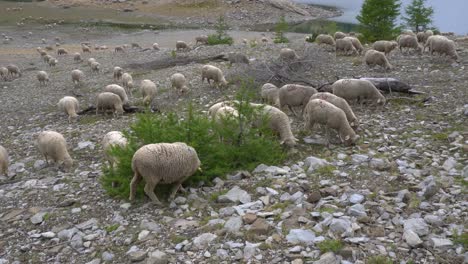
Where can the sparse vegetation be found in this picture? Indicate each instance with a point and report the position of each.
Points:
(280, 28)
(461, 239)
(334, 245)
(379, 260)
(377, 19)
(221, 36)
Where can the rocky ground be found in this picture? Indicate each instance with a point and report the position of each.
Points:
(398, 196)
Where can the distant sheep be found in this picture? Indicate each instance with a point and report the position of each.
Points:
(70, 106)
(270, 94)
(127, 82)
(210, 72)
(354, 90)
(356, 43)
(118, 90)
(3, 73)
(148, 91)
(236, 57)
(47, 58)
(62, 51)
(264, 40)
(113, 139)
(4, 161)
(109, 101)
(340, 103)
(346, 46)
(325, 39)
(385, 46)
(117, 73)
(42, 77)
(288, 54)
(90, 61)
(13, 70)
(179, 82)
(119, 49)
(339, 35)
(155, 46)
(95, 66)
(77, 77)
(443, 46)
(293, 95)
(53, 62)
(324, 113)
(163, 163)
(409, 42)
(181, 45)
(373, 57)
(203, 39)
(85, 49)
(135, 46)
(52, 145)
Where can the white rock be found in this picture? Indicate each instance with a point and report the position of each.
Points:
(233, 225)
(48, 234)
(312, 163)
(440, 242)
(143, 234)
(412, 238)
(202, 241)
(418, 225)
(297, 236)
(236, 194)
(249, 250)
(356, 198)
(449, 164)
(357, 210)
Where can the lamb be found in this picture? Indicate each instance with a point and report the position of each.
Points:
(346, 46)
(70, 106)
(148, 91)
(109, 101)
(278, 121)
(270, 94)
(325, 113)
(53, 62)
(236, 57)
(354, 89)
(214, 108)
(373, 57)
(77, 77)
(85, 48)
(127, 82)
(339, 35)
(52, 145)
(385, 46)
(356, 43)
(245, 41)
(181, 45)
(3, 73)
(118, 90)
(13, 70)
(135, 46)
(117, 73)
(95, 66)
(4, 161)
(112, 139)
(210, 72)
(288, 54)
(155, 46)
(42, 77)
(203, 39)
(443, 45)
(264, 40)
(340, 103)
(163, 163)
(179, 82)
(90, 61)
(295, 95)
(47, 58)
(62, 51)
(225, 112)
(409, 42)
(325, 39)
(119, 49)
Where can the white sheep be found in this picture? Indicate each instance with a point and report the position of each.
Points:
(113, 139)
(278, 121)
(163, 163)
(339, 35)
(53, 62)
(443, 45)
(292, 95)
(90, 61)
(214, 108)
(119, 49)
(270, 94)
(264, 40)
(4, 161)
(52, 145)
(179, 82)
(85, 48)
(409, 42)
(346, 46)
(127, 82)
(62, 51)
(355, 89)
(13, 70)
(118, 90)
(373, 57)
(385, 46)
(210, 72)
(181, 45)
(236, 57)
(42, 77)
(155, 46)
(288, 54)
(203, 39)
(356, 43)
(77, 77)
(325, 39)
(4, 73)
(109, 101)
(148, 91)
(70, 106)
(340, 103)
(135, 46)
(95, 66)
(47, 58)
(117, 73)
(324, 113)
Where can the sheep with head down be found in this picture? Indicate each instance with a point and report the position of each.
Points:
(210, 72)
(373, 58)
(109, 101)
(163, 163)
(288, 54)
(77, 77)
(118, 90)
(52, 145)
(179, 82)
(3, 73)
(443, 46)
(70, 106)
(127, 82)
(278, 122)
(148, 91)
(325, 39)
(112, 139)
(385, 46)
(356, 43)
(340, 103)
(355, 89)
(339, 35)
(270, 94)
(293, 95)
(117, 73)
(42, 77)
(409, 42)
(345, 46)
(4, 161)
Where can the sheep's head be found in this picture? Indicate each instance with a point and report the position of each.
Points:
(289, 142)
(350, 140)
(67, 163)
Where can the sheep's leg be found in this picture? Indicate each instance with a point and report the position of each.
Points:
(292, 110)
(133, 185)
(149, 190)
(176, 187)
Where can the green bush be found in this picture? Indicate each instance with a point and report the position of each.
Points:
(221, 36)
(280, 28)
(241, 146)
(330, 245)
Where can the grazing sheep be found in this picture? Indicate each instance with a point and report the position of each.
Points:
(354, 89)
(109, 101)
(236, 57)
(117, 73)
(4, 161)
(225, 112)
(112, 139)
(407, 32)
(295, 95)
(339, 35)
(62, 51)
(42, 77)
(155, 46)
(179, 82)
(214, 108)
(47, 58)
(77, 77)
(356, 43)
(13, 70)
(245, 41)
(373, 57)
(278, 121)
(127, 82)
(340, 103)
(118, 90)
(49, 48)
(4, 73)
(324, 113)
(95, 66)
(325, 39)
(203, 39)
(421, 37)
(210, 72)
(385, 46)
(163, 163)
(409, 42)
(270, 94)
(181, 45)
(119, 49)
(135, 46)
(70, 106)
(85, 48)
(90, 61)
(443, 45)
(52, 145)
(264, 39)
(346, 46)
(288, 54)
(43, 41)
(148, 91)
(53, 62)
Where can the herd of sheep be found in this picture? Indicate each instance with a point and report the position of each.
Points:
(175, 162)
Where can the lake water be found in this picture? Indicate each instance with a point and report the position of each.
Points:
(449, 15)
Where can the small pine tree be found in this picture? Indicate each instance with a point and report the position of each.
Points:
(377, 19)
(280, 28)
(418, 15)
(221, 36)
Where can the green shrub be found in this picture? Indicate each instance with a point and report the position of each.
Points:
(221, 36)
(280, 28)
(330, 245)
(241, 146)
(379, 260)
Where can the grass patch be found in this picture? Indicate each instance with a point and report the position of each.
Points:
(88, 119)
(440, 136)
(176, 239)
(334, 246)
(461, 239)
(111, 228)
(221, 36)
(379, 260)
(326, 210)
(214, 196)
(326, 170)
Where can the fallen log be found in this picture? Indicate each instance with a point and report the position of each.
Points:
(127, 108)
(169, 61)
(392, 85)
